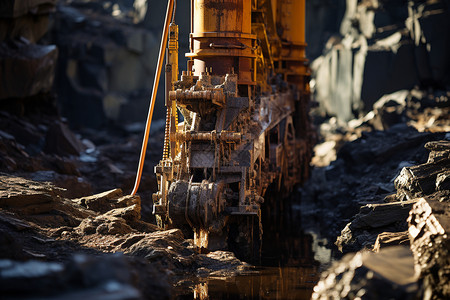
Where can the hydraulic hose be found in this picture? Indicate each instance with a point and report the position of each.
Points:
(162, 51)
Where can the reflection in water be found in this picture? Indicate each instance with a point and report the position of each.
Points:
(268, 283)
(289, 270)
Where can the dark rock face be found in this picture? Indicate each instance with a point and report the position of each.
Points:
(106, 65)
(27, 69)
(30, 68)
(383, 47)
(323, 20)
(388, 274)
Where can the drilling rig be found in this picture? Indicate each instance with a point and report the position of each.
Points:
(237, 120)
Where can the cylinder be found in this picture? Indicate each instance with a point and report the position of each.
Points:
(291, 26)
(221, 39)
(291, 17)
(222, 16)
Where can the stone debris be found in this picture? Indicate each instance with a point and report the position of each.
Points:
(429, 228)
(336, 193)
(387, 239)
(61, 141)
(418, 215)
(417, 181)
(388, 274)
(102, 277)
(36, 222)
(372, 220)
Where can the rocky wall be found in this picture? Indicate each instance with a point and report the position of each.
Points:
(108, 57)
(382, 47)
(26, 68)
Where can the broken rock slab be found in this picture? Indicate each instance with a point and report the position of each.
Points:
(387, 239)
(109, 200)
(438, 150)
(388, 274)
(26, 196)
(429, 230)
(100, 202)
(372, 220)
(420, 180)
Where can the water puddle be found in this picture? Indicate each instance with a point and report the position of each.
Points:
(264, 283)
(289, 267)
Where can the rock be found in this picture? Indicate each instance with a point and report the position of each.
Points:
(111, 225)
(220, 263)
(60, 140)
(388, 274)
(386, 71)
(30, 69)
(128, 200)
(16, 8)
(26, 196)
(30, 277)
(382, 47)
(89, 277)
(425, 20)
(102, 202)
(438, 150)
(390, 110)
(11, 220)
(103, 225)
(113, 203)
(130, 213)
(323, 21)
(86, 227)
(164, 247)
(162, 239)
(429, 229)
(9, 247)
(142, 226)
(443, 181)
(372, 220)
(25, 200)
(93, 86)
(417, 181)
(387, 239)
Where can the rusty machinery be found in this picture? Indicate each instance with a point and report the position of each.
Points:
(245, 126)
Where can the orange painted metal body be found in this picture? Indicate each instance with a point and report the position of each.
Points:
(244, 99)
(222, 39)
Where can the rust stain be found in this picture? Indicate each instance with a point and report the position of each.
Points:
(224, 5)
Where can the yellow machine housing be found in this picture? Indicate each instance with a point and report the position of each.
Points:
(245, 129)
